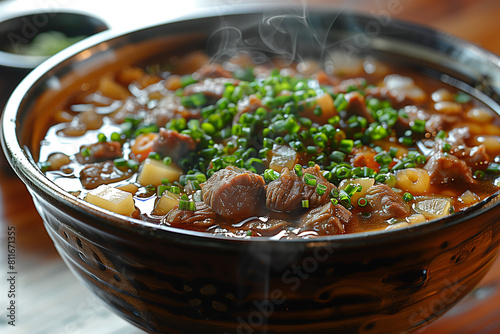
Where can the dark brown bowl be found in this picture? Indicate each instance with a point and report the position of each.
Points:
(167, 280)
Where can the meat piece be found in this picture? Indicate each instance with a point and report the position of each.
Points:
(92, 176)
(288, 191)
(247, 105)
(446, 168)
(346, 85)
(386, 203)
(439, 122)
(173, 144)
(234, 193)
(168, 107)
(408, 116)
(328, 219)
(211, 88)
(475, 157)
(309, 192)
(213, 70)
(285, 193)
(434, 122)
(203, 216)
(261, 227)
(356, 106)
(100, 152)
(458, 136)
(131, 108)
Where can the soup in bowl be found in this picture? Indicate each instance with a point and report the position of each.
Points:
(225, 179)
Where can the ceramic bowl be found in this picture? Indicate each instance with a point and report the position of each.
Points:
(166, 280)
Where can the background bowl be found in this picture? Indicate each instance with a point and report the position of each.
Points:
(171, 281)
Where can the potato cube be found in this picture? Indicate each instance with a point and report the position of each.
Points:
(112, 199)
(153, 171)
(433, 207)
(282, 156)
(166, 203)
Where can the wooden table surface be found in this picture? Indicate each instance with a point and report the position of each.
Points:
(50, 300)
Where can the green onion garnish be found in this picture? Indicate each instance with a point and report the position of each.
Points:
(154, 156)
(407, 197)
(167, 160)
(310, 179)
(298, 170)
(321, 189)
(362, 202)
(305, 204)
(120, 162)
(271, 175)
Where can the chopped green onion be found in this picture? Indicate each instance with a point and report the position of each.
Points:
(334, 201)
(305, 204)
(161, 189)
(446, 147)
(175, 190)
(165, 181)
(271, 175)
(120, 162)
(194, 101)
(187, 80)
(407, 197)
(340, 102)
(346, 145)
(310, 179)
(115, 136)
(132, 164)
(154, 156)
(418, 126)
(479, 174)
(167, 160)
(441, 135)
(101, 138)
(85, 152)
(362, 202)
(337, 156)
(321, 189)
(298, 170)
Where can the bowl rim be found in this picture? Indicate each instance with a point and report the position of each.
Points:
(25, 167)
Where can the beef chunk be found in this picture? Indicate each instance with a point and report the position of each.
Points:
(234, 193)
(439, 122)
(213, 70)
(264, 227)
(310, 193)
(288, 191)
(447, 168)
(173, 144)
(285, 193)
(356, 106)
(347, 85)
(386, 203)
(203, 216)
(327, 219)
(131, 108)
(100, 152)
(475, 157)
(211, 88)
(434, 122)
(93, 175)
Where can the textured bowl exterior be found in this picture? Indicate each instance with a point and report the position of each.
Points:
(184, 284)
(169, 281)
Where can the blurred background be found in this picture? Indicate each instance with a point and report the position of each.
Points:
(49, 299)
